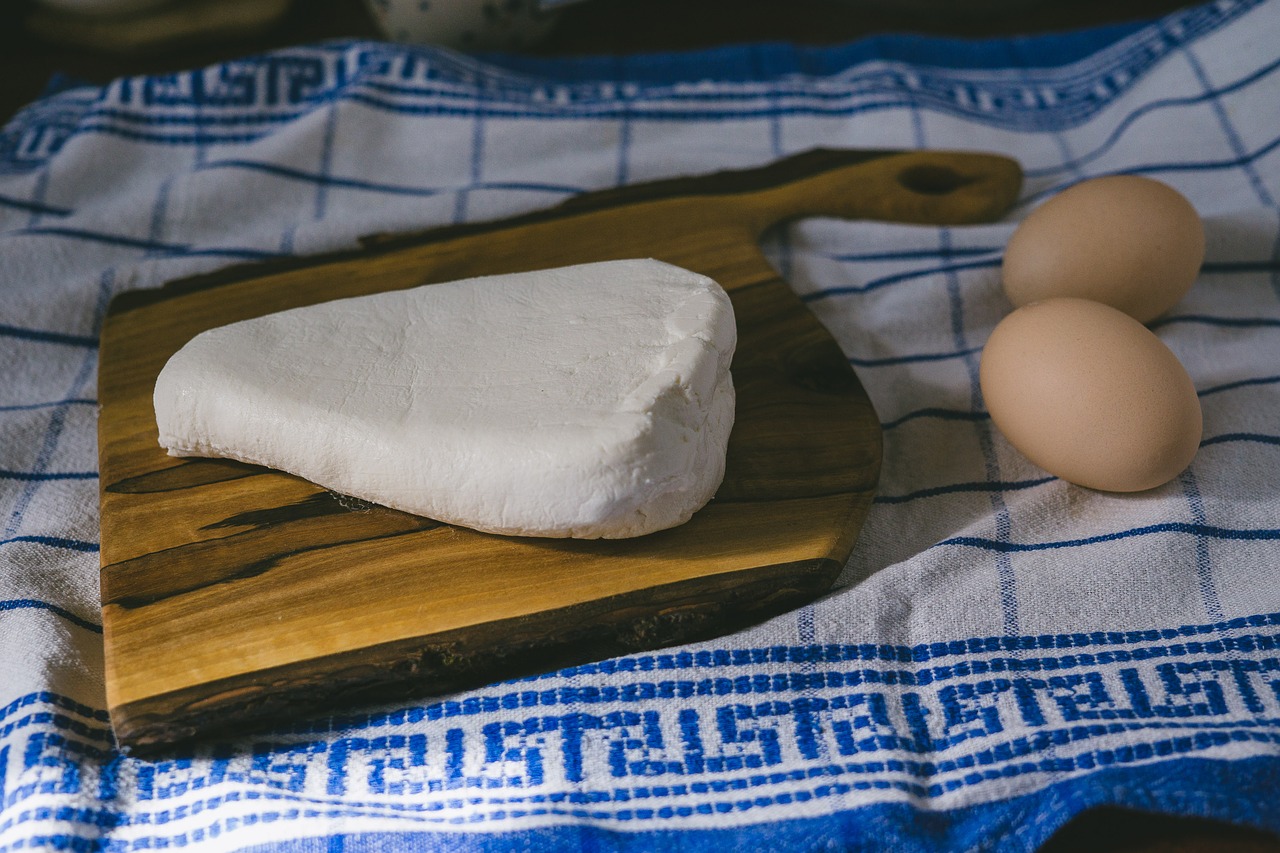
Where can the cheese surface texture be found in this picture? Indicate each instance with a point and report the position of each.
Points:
(590, 401)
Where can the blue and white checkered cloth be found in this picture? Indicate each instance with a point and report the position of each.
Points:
(1003, 651)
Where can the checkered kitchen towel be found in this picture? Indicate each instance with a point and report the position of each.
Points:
(1003, 650)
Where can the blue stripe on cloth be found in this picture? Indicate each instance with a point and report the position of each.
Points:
(43, 476)
(48, 337)
(54, 542)
(1179, 527)
(912, 254)
(326, 161)
(1233, 136)
(1211, 320)
(1117, 133)
(151, 246)
(30, 407)
(889, 361)
(58, 701)
(958, 488)
(896, 278)
(327, 180)
(1255, 437)
(1241, 267)
(35, 604)
(1205, 575)
(34, 479)
(1169, 166)
(1239, 383)
(997, 486)
(940, 414)
(159, 212)
(476, 168)
(33, 206)
(1230, 267)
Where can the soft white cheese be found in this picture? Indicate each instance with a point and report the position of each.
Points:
(587, 401)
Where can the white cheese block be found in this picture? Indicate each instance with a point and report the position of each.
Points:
(587, 401)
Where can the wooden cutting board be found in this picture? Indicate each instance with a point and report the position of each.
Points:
(233, 594)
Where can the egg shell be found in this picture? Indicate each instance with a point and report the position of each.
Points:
(1131, 242)
(1090, 395)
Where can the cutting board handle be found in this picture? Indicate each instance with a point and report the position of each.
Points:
(919, 187)
(925, 187)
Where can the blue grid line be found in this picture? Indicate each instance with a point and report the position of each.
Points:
(959, 488)
(1275, 259)
(1239, 383)
(39, 193)
(1157, 168)
(1211, 320)
(912, 254)
(34, 207)
(330, 180)
(36, 604)
(1019, 485)
(31, 407)
(150, 246)
(967, 352)
(1076, 165)
(44, 336)
(54, 542)
(44, 476)
(57, 420)
(326, 159)
(155, 229)
(935, 413)
(1006, 578)
(476, 169)
(1179, 527)
(1224, 120)
(1205, 580)
(1255, 437)
(897, 278)
(890, 361)
(1207, 268)
(622, 175)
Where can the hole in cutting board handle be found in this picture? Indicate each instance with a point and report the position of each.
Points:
(932, 180)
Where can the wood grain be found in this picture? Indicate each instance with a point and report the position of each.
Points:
(233, 594)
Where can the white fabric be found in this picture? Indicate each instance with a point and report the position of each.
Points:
(1003, 649)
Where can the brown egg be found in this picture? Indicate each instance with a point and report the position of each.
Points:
(1131, 242)
(1091, 395)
